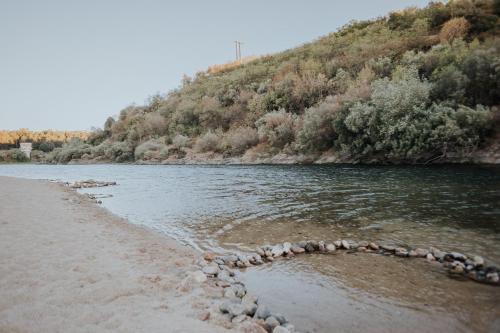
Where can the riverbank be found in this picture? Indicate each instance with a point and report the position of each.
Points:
(67, 265)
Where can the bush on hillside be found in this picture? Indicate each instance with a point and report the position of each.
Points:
(277, 128)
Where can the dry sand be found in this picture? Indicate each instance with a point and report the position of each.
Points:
(67, 265)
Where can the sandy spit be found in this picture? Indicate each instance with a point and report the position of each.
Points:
(67, 265)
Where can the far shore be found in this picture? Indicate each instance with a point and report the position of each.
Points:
(67, 265)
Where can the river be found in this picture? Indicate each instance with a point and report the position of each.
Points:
(239, 207)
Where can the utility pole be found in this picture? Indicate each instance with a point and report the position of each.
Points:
(237, 44)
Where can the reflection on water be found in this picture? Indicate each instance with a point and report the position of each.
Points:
(239, 207)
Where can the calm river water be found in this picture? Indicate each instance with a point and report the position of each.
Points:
(239, 207)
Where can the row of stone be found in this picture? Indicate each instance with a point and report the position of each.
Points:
(473, 267)
(90, 183)
(242, 308)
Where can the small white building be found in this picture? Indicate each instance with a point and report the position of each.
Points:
(26, 148)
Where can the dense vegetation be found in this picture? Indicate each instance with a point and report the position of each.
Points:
(42, 142)
(416, 86)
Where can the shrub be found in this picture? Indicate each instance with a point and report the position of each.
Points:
(317, 132)
(119, 152)
(242, 138)
(180, 141)
(13, 155)
(277, 128)
(154, 148)
(75, 149)
(449, 83)
(209, 141)
(47, 146)
(454, 28)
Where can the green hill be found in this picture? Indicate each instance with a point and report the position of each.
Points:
(417, 86)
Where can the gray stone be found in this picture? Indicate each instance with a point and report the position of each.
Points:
(239, 290)
(309, 247)
(321, 246)
(289, 327)
(280, 329)
(430, 257)
(363, 244)
(301, 244)
(458, 256)
(401, 252)
(262, 312)
(493, 277)
(388, 248)
(198, 276)
(373, 246)
(330, 248)
(260, 251)
(478, 261)
(224, 276)
(271, 323)
(314, 244)
(211, 270)
(298, 250)
(249, 299)
(230, 259)
(232, 308)
(277, 251)
(412, 254)
(236, 309)
(282, 320)
(229, 293)
(286, 247)
(249, 308)
(345, 244)
(438, 254)
(251, 327)
(337, 244)
(239, 319)
(421, 253)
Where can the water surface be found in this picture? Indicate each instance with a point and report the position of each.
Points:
(239, 207)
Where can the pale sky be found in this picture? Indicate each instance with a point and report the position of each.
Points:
(68, 64)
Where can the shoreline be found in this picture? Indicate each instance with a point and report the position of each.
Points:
(67, 264)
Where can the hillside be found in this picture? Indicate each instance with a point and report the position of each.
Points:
(416, 86)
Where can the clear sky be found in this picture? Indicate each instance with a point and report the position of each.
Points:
(67, 64)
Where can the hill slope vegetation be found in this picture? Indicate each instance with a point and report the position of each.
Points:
(416, 86)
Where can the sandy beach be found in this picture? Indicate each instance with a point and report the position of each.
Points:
(68, 265)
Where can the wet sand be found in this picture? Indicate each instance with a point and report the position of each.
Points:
(67, 265)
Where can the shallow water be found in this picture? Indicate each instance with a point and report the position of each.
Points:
(239, 207)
